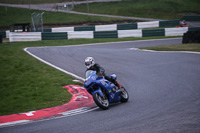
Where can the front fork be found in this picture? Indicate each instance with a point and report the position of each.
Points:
(99, 91)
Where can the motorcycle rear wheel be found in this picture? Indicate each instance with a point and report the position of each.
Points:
(103, 103)
(124, 95)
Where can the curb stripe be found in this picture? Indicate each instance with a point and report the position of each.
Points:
(81, 102)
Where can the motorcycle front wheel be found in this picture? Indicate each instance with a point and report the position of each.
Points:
(124, 95)
(103, 103)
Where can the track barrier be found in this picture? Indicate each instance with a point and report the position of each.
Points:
(103, 31)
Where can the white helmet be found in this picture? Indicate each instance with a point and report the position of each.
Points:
(89, 62)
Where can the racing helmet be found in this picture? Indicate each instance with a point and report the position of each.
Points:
(89, 62)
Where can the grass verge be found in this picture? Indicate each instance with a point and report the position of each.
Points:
(178, 47)
(160, 9)
(10, 15)
(27, 84)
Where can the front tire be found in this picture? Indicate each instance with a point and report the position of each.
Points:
(124, 95)
(103, 103)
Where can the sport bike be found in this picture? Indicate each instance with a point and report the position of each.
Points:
(103, 91)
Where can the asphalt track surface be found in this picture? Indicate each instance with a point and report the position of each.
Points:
(164, 89)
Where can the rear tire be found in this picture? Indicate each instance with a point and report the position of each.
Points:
(102, 103)
(124, 95)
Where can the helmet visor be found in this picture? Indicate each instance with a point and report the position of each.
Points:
(88, 63)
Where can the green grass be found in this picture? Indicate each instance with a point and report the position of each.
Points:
(178, 47)
(160, 9)
(20, 15)
(26, 84)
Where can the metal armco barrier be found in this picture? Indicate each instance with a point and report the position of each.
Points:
(113, 27)
(175, 31)
(80, 34)
(54, 35)
(3, 34)
(36, 36)
(191, 17)
(127, 26)
(84, 28)
(102, 31)
(129, 33)
(169, 23)
(105, 34)
(153, 32)
(28, 36)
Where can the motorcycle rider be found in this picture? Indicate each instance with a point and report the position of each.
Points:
(91, 65)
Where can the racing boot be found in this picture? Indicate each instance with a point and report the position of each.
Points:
(119, 86)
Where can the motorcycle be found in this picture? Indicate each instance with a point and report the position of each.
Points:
(103, 91)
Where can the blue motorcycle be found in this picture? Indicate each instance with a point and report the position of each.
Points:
(103, 91)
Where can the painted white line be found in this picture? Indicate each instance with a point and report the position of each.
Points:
(188, 52)
(14, 123)
(54, 66)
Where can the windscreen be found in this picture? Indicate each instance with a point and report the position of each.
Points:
(89, 73)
